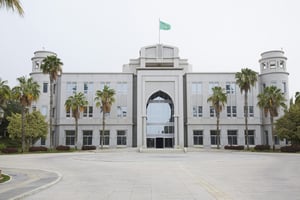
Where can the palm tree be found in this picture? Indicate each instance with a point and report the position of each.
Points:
(245, 80)
(218, 100)
(104, 99)
(270, 101)
(76, 104)
(51, 65)
(27, 92)
(4, 93)
(12, 4)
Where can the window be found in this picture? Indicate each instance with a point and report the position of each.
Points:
(196, 88)
(198, 137)
(122, 88)
(102, 84)
(232, 137)
(106, 137)
(264, 85)
(37, 65)
(87, 137)
(284, 87)
(213, 137)
(33, 107)
(212, 85)
(44, 110)
(121, 137)
(231, 111)
(281, 64)
(272, 64)
(43, 141)
(121, 111)
(88, 87)
(53, 112)
(274, 83)
(70, 137)
(230, 88)
(71, 87)
(197, 111)
(276, 140)
(68, 113)
(251, 137)
(228, 111)
(88, 111)
(45, 87)
(211, 111)
(251, 111)
(264, 65)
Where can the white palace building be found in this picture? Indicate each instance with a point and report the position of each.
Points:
(160, 103)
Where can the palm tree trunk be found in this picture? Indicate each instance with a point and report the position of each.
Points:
(218, 131)
(246, 119)
(23, 129)
(50, 114)
(76, 133)
(272, 130)
(103, 129)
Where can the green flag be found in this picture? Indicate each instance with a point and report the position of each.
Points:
(164, 26)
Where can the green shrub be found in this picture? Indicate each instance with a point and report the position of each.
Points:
(290, 149)
(262, 147)
(62, 148)
(2, 146)
(234, 147)
(88, 147)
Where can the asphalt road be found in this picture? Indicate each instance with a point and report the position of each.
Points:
(138, 176)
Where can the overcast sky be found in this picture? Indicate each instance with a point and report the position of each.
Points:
(102, 35)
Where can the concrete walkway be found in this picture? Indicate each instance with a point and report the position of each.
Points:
(128, 175)
(25, 182)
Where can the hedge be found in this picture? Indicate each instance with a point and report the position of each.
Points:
(88, 147)
(9, 150)
(62, 148)
(40, 148)
(290, 149)
(262, 147)
(235, 147)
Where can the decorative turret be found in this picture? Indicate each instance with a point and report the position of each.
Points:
(38, 59)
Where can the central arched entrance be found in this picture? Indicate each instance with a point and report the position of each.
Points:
(160, 121)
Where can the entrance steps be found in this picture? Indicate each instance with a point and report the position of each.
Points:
(163, 150)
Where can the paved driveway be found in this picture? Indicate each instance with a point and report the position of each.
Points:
(183, 176)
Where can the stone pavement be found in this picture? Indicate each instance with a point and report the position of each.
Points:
(25, 182)
(128, 175)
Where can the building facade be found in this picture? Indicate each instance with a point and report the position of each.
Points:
(160, 103)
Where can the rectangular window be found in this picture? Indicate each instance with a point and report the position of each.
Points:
(106, 137)
(284, 87)
(198, 137)
(43, 141)
(232, 137)
(68, 113)
(88, 87)
(276, 140)
(230, 88)
(196, 88)
(212, 85)
(213, 137)
(281, 64)
(85, 110)
(272, 64)
(33, 107)
(45, 87)
(87, 137)
(251, 137)
(122, 88)
(121, 137)
(228, 111)
(197, 111)
(211, 111)
(44, 110)
(231, 111)
(71, 87)
(251, 111)
(90, 111)
(274, 83)
(70, 137)
(121, 111)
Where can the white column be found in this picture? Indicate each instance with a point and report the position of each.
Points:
(176, 131)
(144, 131)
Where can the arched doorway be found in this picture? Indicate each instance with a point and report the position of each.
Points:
(160, 121)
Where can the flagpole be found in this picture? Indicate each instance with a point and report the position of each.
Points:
(158, 30)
